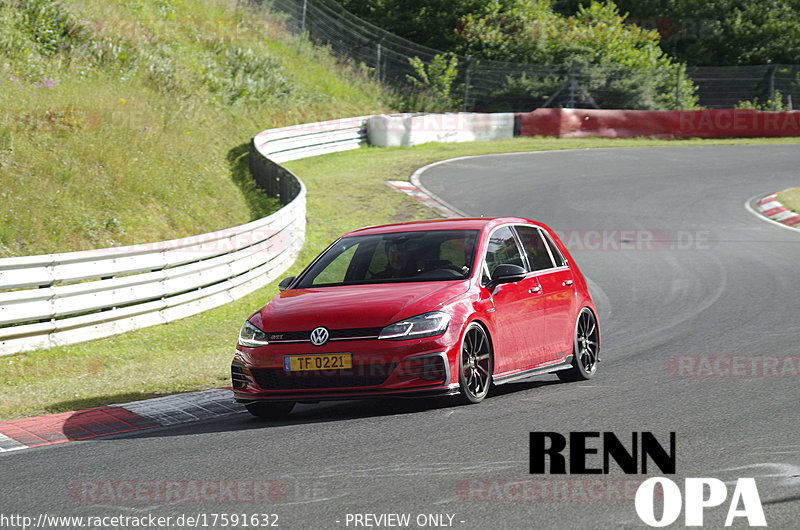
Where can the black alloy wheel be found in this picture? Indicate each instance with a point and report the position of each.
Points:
(476, 364)
(585, 349)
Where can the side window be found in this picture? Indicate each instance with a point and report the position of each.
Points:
(502, 249)
(535, 248)
(557, 256)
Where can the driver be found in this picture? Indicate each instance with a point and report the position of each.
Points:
(400, 263)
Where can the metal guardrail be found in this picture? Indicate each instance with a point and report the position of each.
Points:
(272, 147)
(58, 299)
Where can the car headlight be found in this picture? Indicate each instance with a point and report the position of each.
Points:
(427, 325)
(252, 337)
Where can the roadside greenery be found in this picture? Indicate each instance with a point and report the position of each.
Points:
(717, 32)
(791, 199)
(195, 353)
(428, 22)
(434, 84)
(697, 32)
(126, 122)
(619, 65)
(776, 104)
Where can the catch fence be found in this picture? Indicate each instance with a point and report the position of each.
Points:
(494, 86)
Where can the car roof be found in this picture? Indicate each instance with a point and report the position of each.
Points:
(440, 224)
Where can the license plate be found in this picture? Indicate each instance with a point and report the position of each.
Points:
(327, 361)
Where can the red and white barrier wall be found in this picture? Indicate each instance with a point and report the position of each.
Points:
(717, 123)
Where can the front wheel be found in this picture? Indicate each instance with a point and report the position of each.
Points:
(270, 410)
(585, 349)
(475, 365)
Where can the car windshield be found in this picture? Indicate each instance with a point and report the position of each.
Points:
(435, 255)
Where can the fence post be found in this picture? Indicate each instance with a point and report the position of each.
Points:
(772, 87)
(572, 86)
(303, 23)
(378, 64)
(467, 81)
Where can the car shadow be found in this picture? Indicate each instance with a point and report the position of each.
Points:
(116, 422)
(512, 388)
(303, 414)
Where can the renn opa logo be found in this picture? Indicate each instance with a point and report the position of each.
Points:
(593, 452)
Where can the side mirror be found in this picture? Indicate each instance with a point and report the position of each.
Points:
(507, 273)
(285, 283)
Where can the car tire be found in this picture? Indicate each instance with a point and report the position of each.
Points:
(476, 364)
(585, 348)
(270, 410)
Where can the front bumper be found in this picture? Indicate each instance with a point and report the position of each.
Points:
(307, 397)
(418, 375)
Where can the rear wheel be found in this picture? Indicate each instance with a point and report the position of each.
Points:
(585, 349)
(270, 410)
(476, 364)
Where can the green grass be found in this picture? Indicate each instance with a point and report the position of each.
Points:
(345, 191)
(127, 121)
(791, 199)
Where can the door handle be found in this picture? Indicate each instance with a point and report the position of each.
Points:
(535, 290)
(567, 283)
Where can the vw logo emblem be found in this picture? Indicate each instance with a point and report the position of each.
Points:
(319, 336)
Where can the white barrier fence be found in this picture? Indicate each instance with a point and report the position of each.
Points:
(58, 299)
(311, 139)
(415, 129)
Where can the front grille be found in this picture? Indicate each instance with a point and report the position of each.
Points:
(358, 376)
(335, 334)
(355, 333)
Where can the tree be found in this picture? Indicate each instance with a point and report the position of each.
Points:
(620, 64)
(428, 22)
(717, 32)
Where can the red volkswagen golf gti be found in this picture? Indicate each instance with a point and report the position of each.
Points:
(440, 307)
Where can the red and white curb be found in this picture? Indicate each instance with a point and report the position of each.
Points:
(115, 419)
(425, 197)
(770, 207)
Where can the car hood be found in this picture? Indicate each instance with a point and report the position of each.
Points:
(356, 306)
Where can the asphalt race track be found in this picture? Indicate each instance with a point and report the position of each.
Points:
(698, 302)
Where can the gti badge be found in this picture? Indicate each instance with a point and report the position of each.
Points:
(319, 336)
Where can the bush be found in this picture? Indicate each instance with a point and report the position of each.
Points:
(433, 84)
(622, 65)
